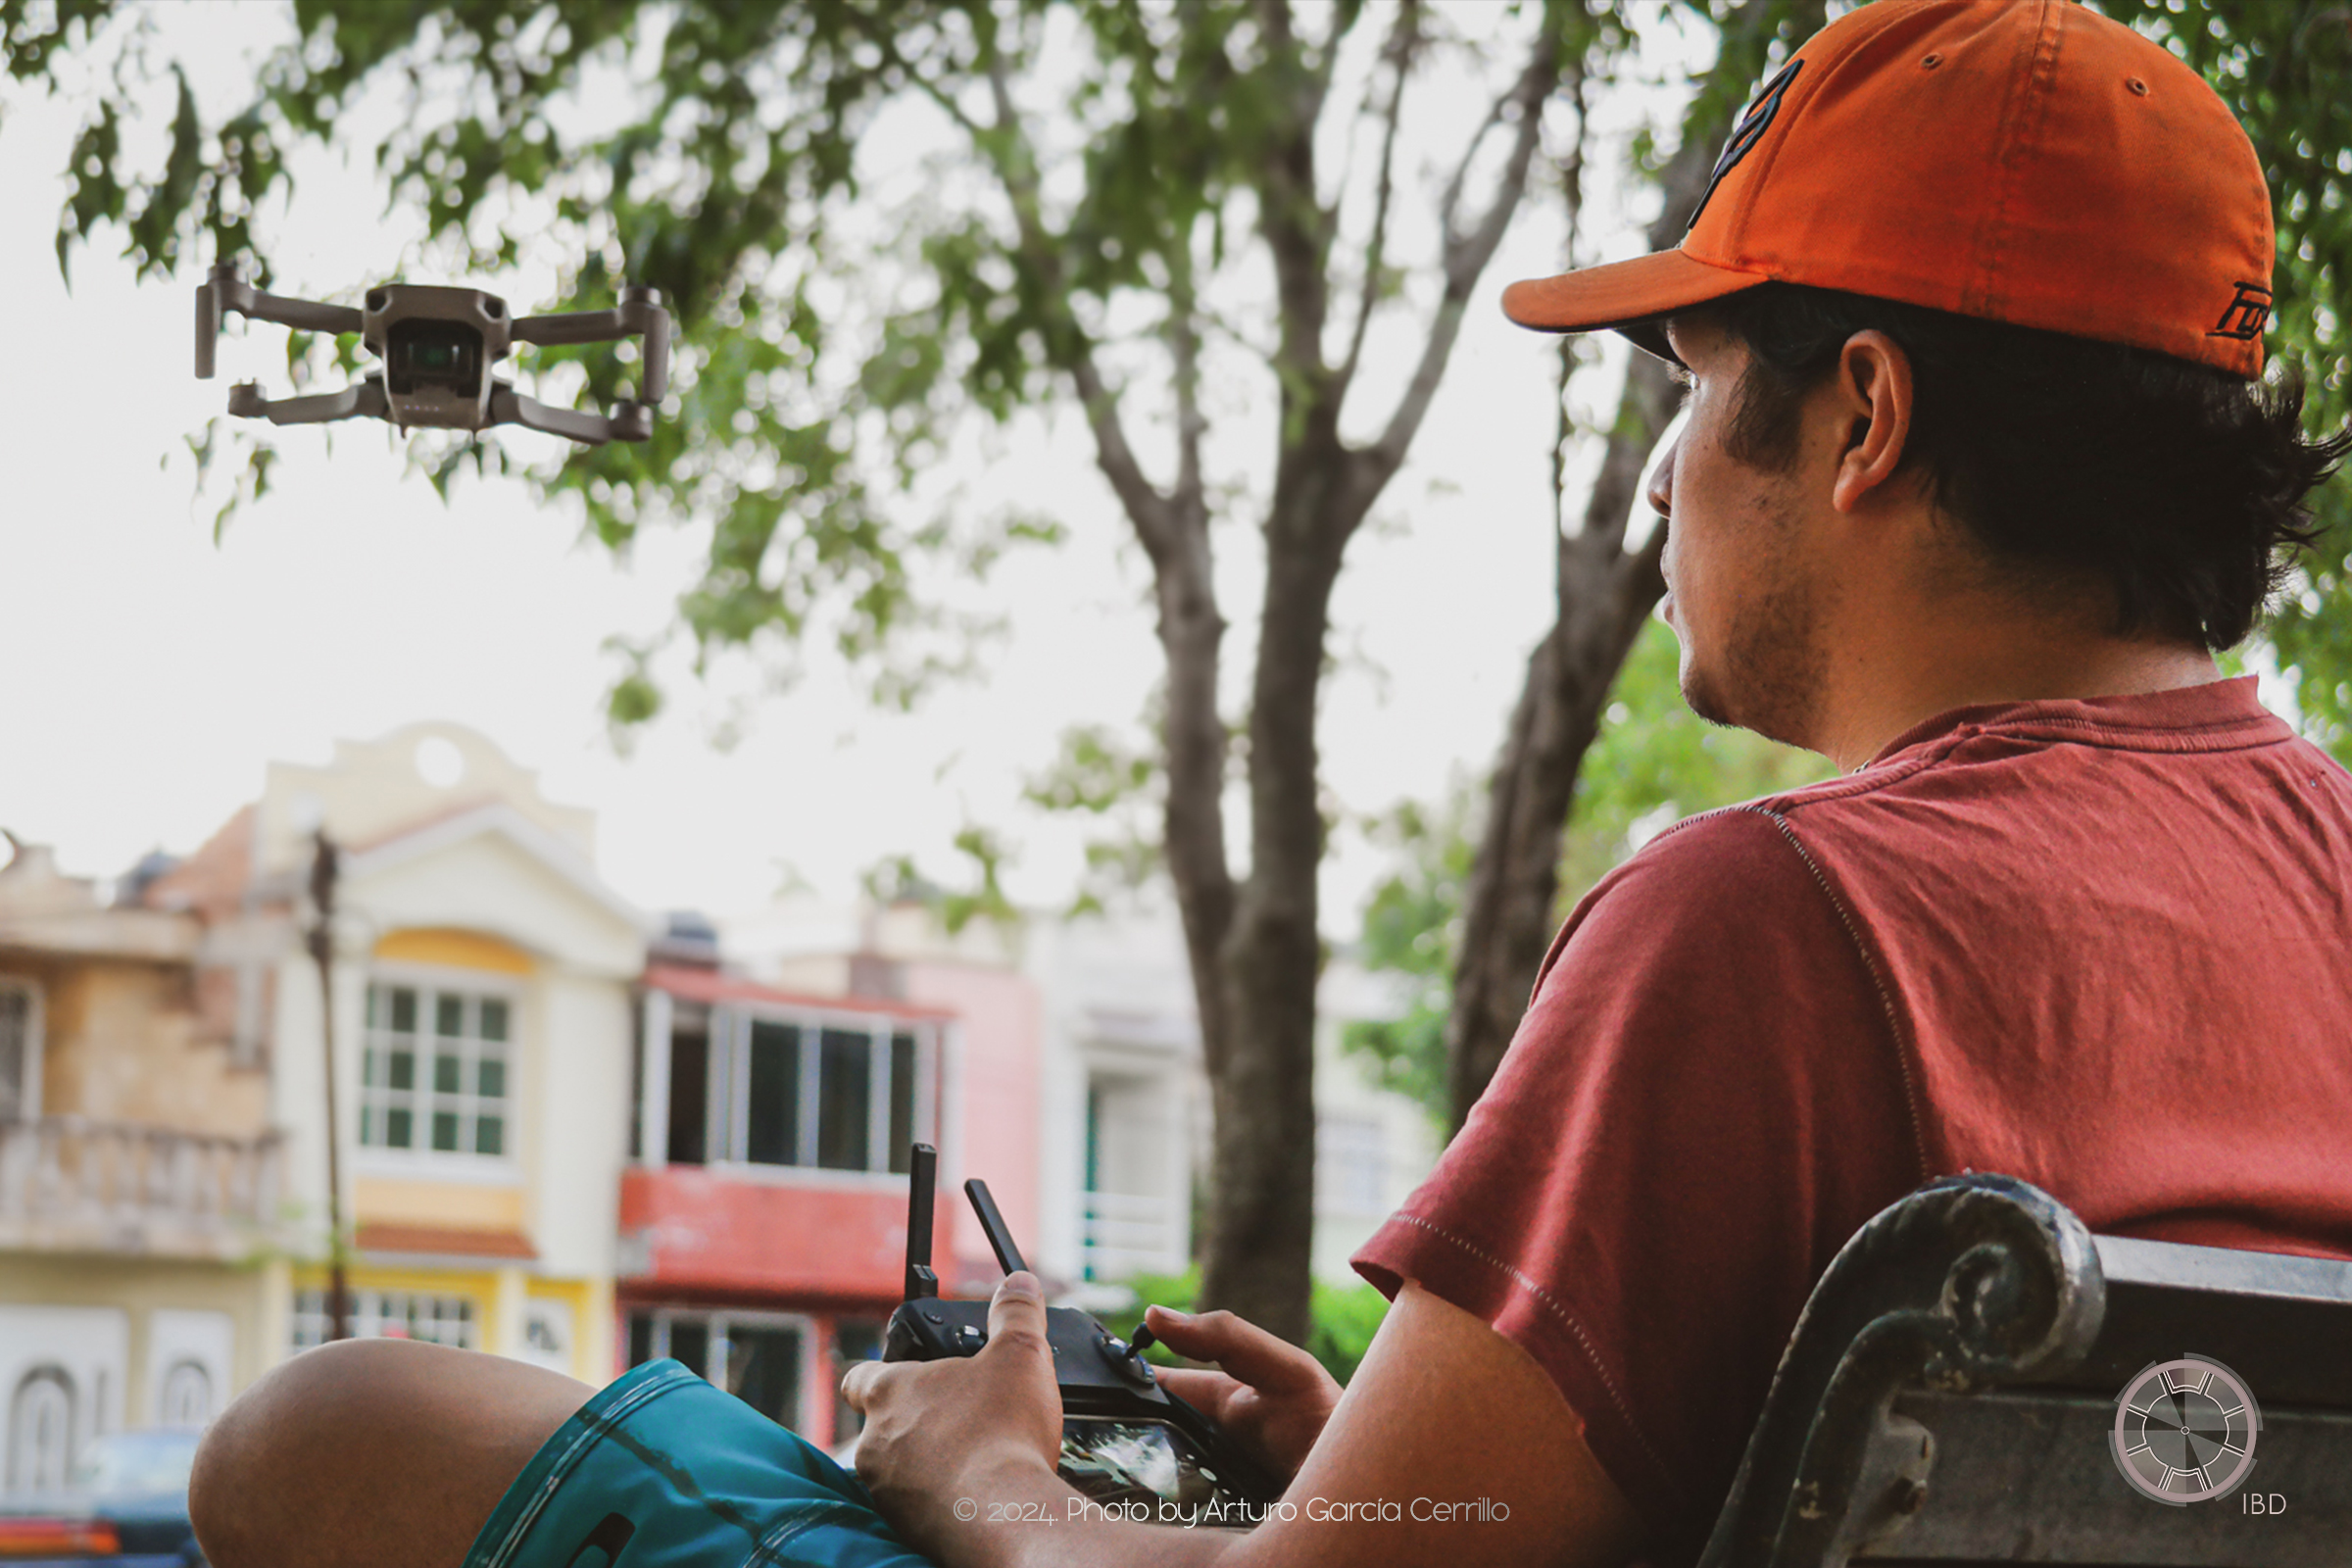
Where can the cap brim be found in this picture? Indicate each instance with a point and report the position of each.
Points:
(1629, 297)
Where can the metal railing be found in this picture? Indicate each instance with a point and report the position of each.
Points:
(1122, 1234)
(70, 1185)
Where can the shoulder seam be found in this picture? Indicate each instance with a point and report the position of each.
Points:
(1567, 1319)
(1897, 1035)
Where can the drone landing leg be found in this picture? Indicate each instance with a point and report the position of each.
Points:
(364, 401)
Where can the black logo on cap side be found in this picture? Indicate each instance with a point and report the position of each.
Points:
(1753, 122)
(2248, 314)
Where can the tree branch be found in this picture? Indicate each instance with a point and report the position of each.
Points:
(1398, 54)
(1068, 347)
(1466, 255)
(1291, 216)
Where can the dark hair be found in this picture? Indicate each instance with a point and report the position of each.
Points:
(2067, 460)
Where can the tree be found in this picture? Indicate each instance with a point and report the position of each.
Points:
(828, 347)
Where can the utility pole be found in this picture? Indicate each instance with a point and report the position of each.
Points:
(324, 870)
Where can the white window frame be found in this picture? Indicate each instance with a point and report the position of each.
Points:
(29, 1101)
(718, 1321)
(727, 1115)
(431, 981)
(309, 1326)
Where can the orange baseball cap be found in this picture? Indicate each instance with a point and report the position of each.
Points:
(2024, 161)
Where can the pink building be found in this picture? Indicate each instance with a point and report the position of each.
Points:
(763, 1212)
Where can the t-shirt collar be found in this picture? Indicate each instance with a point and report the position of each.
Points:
(2158, 719)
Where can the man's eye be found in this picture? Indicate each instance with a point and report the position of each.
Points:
(1682, 376)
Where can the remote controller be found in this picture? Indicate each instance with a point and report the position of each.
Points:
(1125, 1438)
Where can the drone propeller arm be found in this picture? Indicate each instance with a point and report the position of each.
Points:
(633, 422)
(364, 400)
(225, 291)
(640, 311)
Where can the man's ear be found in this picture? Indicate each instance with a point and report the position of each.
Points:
(1874, 401)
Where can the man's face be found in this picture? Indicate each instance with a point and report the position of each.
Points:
(1745, 591)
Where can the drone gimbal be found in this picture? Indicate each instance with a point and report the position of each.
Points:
(438, 345)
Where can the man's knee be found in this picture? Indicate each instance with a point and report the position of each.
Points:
(371, 1451)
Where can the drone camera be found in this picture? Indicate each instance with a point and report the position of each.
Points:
(425, 353)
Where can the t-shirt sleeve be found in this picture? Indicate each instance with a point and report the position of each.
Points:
(1703, 1102)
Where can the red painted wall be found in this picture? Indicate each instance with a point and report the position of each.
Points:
(711, 1232)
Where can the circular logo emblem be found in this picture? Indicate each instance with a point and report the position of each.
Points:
(2184, 1430)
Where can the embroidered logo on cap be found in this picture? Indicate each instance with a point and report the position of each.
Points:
(2248, 314)
(1752, 127)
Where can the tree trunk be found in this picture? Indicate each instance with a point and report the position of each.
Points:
(1606, 593)
(1262, 1166)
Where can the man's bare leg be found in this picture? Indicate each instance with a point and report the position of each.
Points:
(371, 1453)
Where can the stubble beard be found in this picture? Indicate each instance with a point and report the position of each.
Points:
(1766, 670)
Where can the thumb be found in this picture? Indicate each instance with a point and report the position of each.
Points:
(1017, 1311)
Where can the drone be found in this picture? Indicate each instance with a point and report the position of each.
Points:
(438, 345)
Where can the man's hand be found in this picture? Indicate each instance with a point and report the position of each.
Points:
(1270, 1395)
(939, 1432)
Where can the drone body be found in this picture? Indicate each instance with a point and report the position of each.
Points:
(438, 345)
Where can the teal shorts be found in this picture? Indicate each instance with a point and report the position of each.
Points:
(665, 1471)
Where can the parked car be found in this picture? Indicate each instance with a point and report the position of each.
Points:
(125, 1506)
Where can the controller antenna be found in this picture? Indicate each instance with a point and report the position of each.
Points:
(922, 1180)
(992, 1225)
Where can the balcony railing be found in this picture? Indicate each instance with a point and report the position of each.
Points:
(1123, 1234)
(69, 1185)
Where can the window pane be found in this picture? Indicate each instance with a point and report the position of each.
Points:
(403, 1011)
(689, 1096)
(376, 1007)
(494, 1018)
(492, 1077)
(490, 1136)
(371, 1067)
(447, 1079)
(641, 1337)
(403, 1069)
(902, 1102)
(397, 1129)
(843, 1089)
(445, 1131)
(775, 1111)
(368, 1125)
(449, 1016)
(690, 1343)
(763, 1371)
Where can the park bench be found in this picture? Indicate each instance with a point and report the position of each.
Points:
(1949, 1394)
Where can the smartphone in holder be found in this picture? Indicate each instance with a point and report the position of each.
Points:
(1126, 1442)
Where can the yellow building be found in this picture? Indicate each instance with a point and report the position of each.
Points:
(482, 1041)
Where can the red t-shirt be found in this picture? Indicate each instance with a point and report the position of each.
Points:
(2102, 946)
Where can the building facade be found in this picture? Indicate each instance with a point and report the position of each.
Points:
(139, 1177)
(560, 1135)
(482, 1014)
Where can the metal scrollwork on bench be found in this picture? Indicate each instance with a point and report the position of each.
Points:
(1971, 1281)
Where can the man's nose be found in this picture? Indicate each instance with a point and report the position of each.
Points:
(1660, 494)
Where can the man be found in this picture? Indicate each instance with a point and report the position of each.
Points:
(1974, 481)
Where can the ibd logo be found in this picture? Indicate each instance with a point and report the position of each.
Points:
(2249, 312)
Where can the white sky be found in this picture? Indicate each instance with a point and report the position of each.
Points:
(147, 676)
